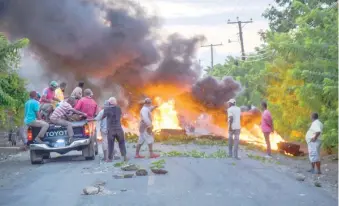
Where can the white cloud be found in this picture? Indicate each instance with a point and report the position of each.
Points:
(214, 33)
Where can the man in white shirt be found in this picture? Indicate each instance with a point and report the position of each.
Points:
(145, 129)
(313, 139)
(233, 113)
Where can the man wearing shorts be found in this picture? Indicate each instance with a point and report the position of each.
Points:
(145, 129)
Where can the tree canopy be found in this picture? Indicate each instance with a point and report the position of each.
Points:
(297, 69)
(12, 88)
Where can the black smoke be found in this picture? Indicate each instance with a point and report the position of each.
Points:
(116, 43)
(214, 93)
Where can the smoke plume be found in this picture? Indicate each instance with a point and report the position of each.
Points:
(112, 45)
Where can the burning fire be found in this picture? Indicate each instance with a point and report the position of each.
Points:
(256, 137)
(165, 116)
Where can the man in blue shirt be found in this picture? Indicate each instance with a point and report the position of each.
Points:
(32, 116)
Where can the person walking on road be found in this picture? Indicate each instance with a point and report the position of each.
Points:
(267, 126)
(145, 129)
(313, 139)
(65, 108)
(103, 131)
(32, 116)
(114, 129)
(234, 127)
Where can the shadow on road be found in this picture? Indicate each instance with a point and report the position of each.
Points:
(65, 158)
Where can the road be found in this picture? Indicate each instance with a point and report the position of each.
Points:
(190, 181)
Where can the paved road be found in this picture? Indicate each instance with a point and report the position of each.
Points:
(189, 182)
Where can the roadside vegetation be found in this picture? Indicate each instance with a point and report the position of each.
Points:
(12, 88)
(295, 69)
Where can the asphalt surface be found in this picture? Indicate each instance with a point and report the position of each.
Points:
(190, 181)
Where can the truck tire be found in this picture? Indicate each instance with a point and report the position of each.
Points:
(96, 147)
(89, 151)
(36, 157)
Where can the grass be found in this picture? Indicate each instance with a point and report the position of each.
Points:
(181, 139)
(120, 164)
(158, 164)
(196, 154)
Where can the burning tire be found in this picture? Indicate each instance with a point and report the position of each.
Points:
(36, 157)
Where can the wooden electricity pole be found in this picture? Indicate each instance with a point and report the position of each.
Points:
(212, 45)
(240, 34)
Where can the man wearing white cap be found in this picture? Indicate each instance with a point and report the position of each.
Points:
(114, 129)
(234, 127)
(145, 129)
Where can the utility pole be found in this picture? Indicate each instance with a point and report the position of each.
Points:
(240, 33)
(212, 45)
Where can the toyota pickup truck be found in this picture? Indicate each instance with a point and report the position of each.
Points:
(56, 140)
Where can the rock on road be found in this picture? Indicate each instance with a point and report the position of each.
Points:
(190, 182)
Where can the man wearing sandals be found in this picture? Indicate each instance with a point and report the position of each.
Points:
(58, 115)
(32, 116)
(313, 139)
(145, 129)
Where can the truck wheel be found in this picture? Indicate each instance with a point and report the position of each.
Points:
(89, 151)
(96, 148)
(46, 156)
(36, 158)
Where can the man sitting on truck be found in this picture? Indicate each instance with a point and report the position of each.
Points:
(47, 98)
(32, 116)
(58, 115)
(87, 105)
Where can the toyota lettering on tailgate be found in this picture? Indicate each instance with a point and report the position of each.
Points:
(56, 133)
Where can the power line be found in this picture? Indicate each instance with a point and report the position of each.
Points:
(212, 45)
(240, 33)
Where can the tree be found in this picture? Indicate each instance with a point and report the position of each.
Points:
(282, 16)
(297, 70)
(12, 88)
(307, 56)
(249, 73)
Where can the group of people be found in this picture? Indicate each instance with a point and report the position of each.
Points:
(313, 135)
(111, 129)
(57, 110)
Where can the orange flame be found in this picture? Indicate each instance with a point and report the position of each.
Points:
(165, 116)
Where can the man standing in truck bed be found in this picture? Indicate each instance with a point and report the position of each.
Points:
(87, 104)
(47, 98)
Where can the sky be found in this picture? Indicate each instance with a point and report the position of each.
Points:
(209, 18)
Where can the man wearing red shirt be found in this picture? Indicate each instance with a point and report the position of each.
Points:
(87, 105)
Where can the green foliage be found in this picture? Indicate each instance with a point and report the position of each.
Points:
(250, 73)
(296, 71)
(12, 88)
(158, 164)
(197, 154)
